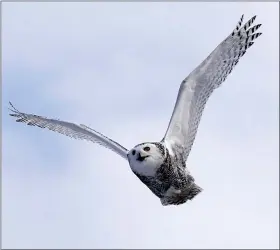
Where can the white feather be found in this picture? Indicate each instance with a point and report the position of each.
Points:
(201, 82)
(75, 131)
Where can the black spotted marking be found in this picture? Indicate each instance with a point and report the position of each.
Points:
(238, 25)
(253, 29)
(250, 44)
(30, 124)
(249, 23)
(161, 147)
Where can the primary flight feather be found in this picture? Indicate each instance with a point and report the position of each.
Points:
(161, 166)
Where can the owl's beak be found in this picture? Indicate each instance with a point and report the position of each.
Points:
(141, 158)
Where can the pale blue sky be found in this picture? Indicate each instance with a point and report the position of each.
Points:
(117, 67)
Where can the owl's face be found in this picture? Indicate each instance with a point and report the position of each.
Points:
(146, 158)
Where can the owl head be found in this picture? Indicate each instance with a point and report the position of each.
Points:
(146, 158)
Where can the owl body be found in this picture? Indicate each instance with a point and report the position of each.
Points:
(163, 172)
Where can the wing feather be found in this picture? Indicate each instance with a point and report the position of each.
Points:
(197, 87)
(72, 130)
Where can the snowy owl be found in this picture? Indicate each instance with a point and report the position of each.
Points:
(161, 166)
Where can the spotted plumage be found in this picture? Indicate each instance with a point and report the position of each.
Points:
(170, 177)
(161, 166)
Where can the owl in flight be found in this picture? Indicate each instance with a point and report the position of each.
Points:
(161, 166)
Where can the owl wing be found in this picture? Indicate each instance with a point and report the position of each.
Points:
(75, 131)
(201, 82)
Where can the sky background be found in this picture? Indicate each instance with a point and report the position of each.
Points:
(117, 67)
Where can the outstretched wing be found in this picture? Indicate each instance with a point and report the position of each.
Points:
(75, 131)
(201, 82)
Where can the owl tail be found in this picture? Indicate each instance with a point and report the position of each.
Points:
(180, 198)
(193, 191)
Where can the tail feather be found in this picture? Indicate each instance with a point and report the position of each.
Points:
(182, 197)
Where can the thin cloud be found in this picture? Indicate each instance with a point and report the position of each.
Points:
(117, 67)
